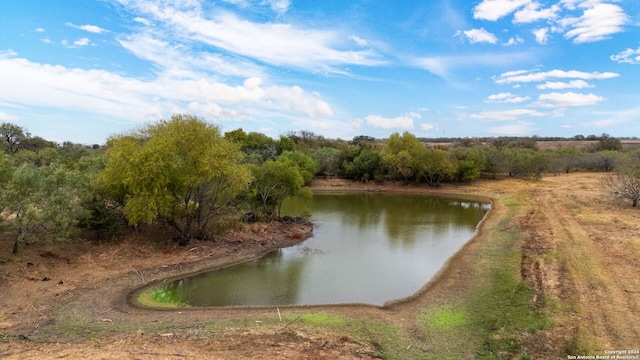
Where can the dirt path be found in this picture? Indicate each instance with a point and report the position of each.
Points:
(581, 255)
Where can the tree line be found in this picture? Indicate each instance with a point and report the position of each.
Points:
(186, 174)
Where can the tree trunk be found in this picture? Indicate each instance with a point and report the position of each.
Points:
(15, 247)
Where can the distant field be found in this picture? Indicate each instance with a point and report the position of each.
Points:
(552, 145)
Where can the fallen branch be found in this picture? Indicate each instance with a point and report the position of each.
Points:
(138, 273)
(291, 322)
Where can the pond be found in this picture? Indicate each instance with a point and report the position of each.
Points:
(367, 248)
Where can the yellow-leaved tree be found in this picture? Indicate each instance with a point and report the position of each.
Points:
(179, 171)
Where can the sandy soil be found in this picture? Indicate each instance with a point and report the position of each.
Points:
(582, 249)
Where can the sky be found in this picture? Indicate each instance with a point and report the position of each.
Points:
(85, 70)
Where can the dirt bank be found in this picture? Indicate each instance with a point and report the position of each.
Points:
(578, 246)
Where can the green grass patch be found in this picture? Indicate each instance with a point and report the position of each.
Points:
(444, 318)
(150, 298)
(490, 322)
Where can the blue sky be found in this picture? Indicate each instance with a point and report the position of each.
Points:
(84, 70)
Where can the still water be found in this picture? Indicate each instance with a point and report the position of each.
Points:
(366, 248)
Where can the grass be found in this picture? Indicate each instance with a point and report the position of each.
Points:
(490, 322)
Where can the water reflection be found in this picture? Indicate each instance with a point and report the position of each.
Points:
(367, 247)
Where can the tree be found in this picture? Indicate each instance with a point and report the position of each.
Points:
(328, 160)
(625, 184)
(13, 137)
(435, 165)
(565, 159)
(181, 172)
(44, 200)
(365, 165)
(608, 142)
(469, 162)
(274, 181)
(400, 155)
(305, 164)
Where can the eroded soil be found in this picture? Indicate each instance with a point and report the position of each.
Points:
(581, 254)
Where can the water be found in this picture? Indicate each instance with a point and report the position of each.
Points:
(367, 248)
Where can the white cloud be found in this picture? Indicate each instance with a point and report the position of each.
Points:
(480, 36)
(542, 35)
(507, 98)
(404, 122)
(279, 6)
(557, 85)
(89, 28)
(567, 99)
(82, 42)
(598, 21)
(521, 128)
(174, 61)
(427, 127)
(514, 41)
(506, 115)
(39, 30)
(358, 40)
(628, 56)
(532, 13)
(7, 117)
(142, 21)
(129, 99)
(527, 76)
(281, 44)
(495, 9)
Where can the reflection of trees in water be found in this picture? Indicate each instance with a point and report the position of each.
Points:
(244, 285)
(403, 216)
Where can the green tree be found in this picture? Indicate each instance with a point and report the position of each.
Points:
(608, 142)
(44, 200)
(400, 154)
(181, 171)
(365, 166)
(469, 162)
(435, 166)
(305, 164)
(328, 160)
(565, 159)
(13, 137)
(273, 182)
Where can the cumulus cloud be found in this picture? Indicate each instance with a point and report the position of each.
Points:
(480, 36)
(581, 21)
(507, 98)
(514, 41)
(121, 97)
(525, 76)
(628, 56)
(558, 85)
(598, 21)
(82, 42)
(532, 13)
(89, 28)
(39, 30)
(506, 115)
(403, 122)
(568, 99)
(495, 9)
(542, 35)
